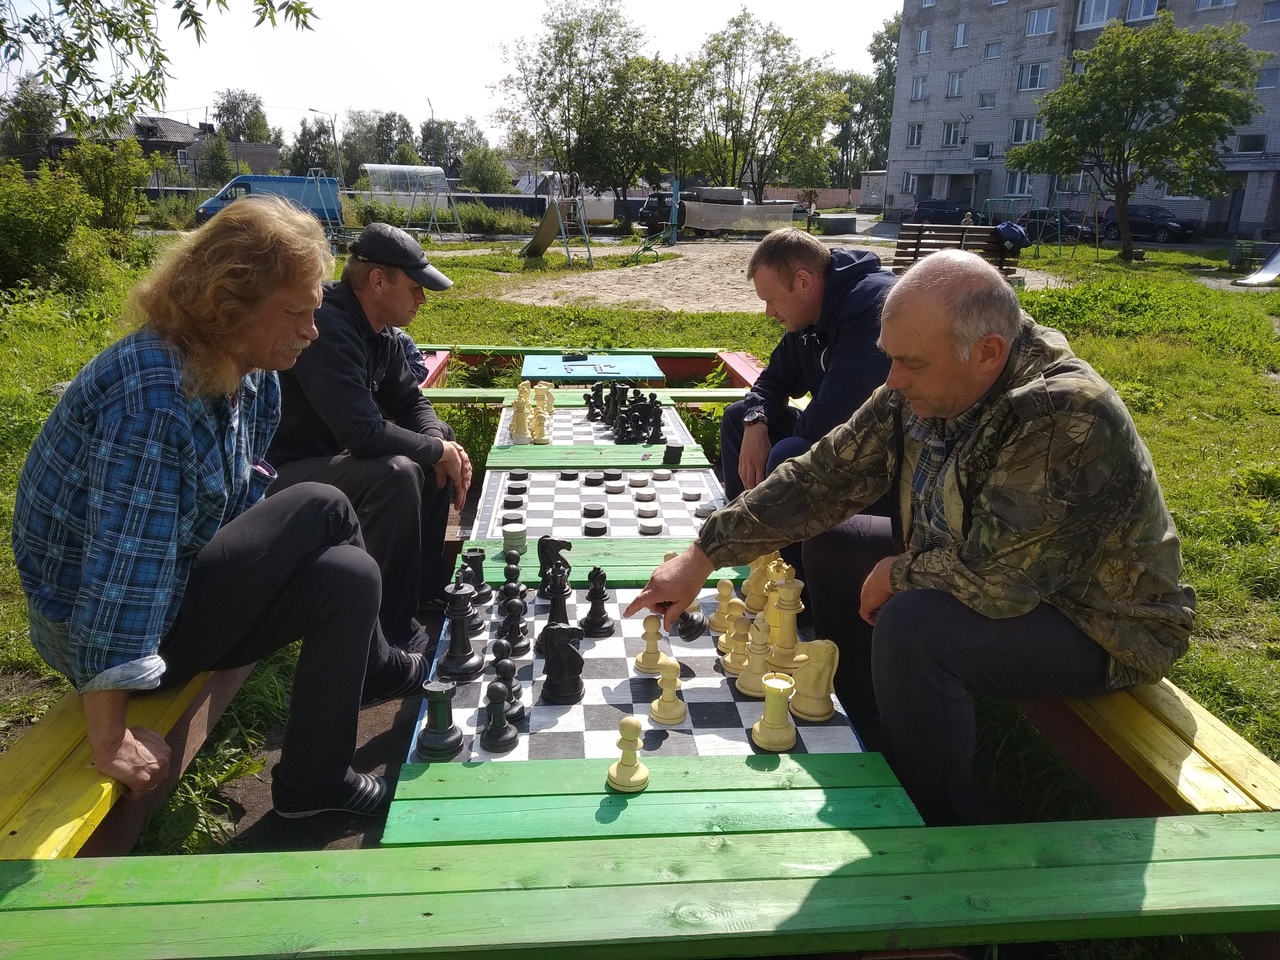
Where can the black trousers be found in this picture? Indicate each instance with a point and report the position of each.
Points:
(403, 517)
(291, 567)
(907, 682)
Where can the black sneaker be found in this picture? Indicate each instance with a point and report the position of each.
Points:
(363, 794)
(416, 673)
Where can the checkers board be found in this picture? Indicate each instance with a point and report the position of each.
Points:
(718, 720)
(553, 501)
(571, 427)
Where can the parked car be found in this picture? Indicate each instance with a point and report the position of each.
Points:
(942, 211)
(1047, 226)
(1152, 222)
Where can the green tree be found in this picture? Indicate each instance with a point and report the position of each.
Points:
(114, 176)
(106, 59)
(38, 219)
(218, 165)
(406, 156)
(312, 147)
(758, 101)
(442, 143)
(560, 79)
(372, 136)
(28, 119)
(879, 105)
(809, 170)
(484, 171)
(1152, 104)
(241, 117)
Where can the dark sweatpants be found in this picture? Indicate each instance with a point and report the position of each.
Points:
(291, 567)
(403, 517)
(907, 682)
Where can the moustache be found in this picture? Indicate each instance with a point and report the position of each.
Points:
(297, 345)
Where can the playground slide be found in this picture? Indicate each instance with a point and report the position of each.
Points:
(1265, 274)
(547, 233)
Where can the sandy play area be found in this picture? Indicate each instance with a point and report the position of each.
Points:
(709, 275)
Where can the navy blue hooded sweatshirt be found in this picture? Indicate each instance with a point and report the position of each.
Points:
(836, 360)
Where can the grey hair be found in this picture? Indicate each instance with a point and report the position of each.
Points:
(974, 294)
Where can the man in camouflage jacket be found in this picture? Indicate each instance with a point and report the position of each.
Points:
(1031, 554)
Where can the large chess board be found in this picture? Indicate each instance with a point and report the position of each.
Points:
(718, 720)
(553, 504)
(570, 427)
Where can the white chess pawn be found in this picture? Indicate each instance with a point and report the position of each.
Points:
(719, 622)
(735, 661)
(650, 658)
(628, 775)
(669, 708)
(734, 609)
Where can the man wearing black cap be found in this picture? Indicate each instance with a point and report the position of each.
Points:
(353, 416)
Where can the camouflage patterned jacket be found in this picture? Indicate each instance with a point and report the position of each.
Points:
(1052, 498)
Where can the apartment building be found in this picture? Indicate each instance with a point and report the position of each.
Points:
(969, 75)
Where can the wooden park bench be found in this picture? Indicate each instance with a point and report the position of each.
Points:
(1248, 255)
(54, 803)
(917, 240)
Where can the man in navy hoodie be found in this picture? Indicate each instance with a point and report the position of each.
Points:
(828, 301)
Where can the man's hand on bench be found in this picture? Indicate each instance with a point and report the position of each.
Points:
(136, 756)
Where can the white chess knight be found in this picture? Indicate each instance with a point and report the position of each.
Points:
(815, 680)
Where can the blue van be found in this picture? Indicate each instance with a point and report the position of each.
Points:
(319, 195)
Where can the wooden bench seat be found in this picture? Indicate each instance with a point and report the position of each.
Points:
(56, 804)
(917, 240)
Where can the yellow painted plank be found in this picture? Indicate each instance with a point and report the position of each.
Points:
(26, 765)
(1183, 778)
(57, 819)
(1256, 774)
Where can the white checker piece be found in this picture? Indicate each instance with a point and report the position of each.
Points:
(570, 427)
(551, 505)
(718, 720)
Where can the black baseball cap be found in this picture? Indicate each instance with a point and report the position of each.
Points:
(390, 246)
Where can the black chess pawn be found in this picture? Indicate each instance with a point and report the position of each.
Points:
(499, 735)
(515, 628)
(597, 623)
(656, 434)
(460, 661)
(512, 574)
(502, 650)
(589, 402)
(621, 429)
(506, 671)
(440, 739)
(690, 626)
(475, 622)
(639, 426)
(563, 667)
(474, 558)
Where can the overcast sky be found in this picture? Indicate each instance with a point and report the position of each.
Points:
(400, 54)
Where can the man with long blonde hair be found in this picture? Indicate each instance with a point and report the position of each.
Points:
(143, 542)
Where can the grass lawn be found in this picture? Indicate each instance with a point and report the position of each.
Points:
(1197, 366)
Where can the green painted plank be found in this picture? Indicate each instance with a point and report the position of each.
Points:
(644, 814)
(628, 562)
(627, 456)
(678, 920)
(794, 771)
(572, 399)
(305, 875)
(471, 348)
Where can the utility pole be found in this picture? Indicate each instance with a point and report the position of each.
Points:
(333, 130)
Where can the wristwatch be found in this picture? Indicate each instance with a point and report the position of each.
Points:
(755, 416)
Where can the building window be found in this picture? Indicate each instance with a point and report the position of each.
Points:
(962, 34)
(982, 151)
(1206, 4)
(919, 88)
(1074, 183)
(1026, 129)
(1271, 11)
(1251, 143)
(996, 3)
(1094, 13)
(955, 83)
(992, 51)
(915, 134)
(1018, 183)
(923, 41)
(927, 3)
(909, 183)
(1142, 9)
(1040, 21)
(987, 101)
(1269, 78)
(951, 134)
(1033, 76)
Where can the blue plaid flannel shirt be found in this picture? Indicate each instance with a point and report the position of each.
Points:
(938, 439)
(128, 480)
